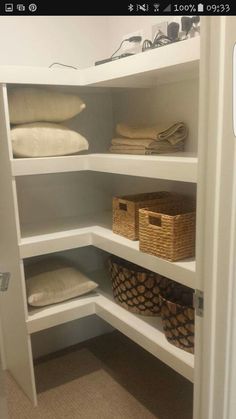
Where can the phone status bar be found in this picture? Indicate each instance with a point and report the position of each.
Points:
(119, 8)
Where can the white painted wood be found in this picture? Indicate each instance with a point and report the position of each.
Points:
(201, 199)
(96, 231)
(55, 242)
(36, 166)
(182, 271)
(217, 236)
(43, 318)
(175, 62)
(17, 345)
(144, 330)
(180, 167)
(146, 335)
(40, 75)
(230, 382)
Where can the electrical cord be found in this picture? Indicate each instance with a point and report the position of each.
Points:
(131, 39)
(64, 65)
(159, 40)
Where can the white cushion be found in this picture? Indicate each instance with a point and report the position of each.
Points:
(29, 104)
(53, 281)
(43, 139)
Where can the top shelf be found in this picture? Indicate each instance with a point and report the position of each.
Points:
(174, 62)
(171, 63)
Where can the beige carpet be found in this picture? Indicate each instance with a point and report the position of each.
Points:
(108, 377)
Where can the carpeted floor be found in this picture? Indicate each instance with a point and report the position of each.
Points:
(108, 377)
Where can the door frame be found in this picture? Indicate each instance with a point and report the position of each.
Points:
(215, 379)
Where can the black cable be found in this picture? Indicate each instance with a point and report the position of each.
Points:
(119, 47)
(131, 39)
(64, 65)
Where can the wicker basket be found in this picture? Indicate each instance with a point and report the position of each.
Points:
(136, 289)
(168, 231)
(177, 314)
(125, 211)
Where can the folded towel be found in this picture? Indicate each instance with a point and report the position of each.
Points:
(143, 142)
(154, 147)
(172, 132)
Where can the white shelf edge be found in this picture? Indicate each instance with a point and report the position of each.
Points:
(134, 71)
(44, 165)
(141, 70)
(50, 316)
(145, 335)
(182, 271)
(139, 330)
(178, 167)
(98, 233)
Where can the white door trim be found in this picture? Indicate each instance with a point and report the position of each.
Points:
(216, 211)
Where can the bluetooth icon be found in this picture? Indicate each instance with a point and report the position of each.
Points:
(130, 7)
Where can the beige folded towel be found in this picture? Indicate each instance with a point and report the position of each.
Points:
(145, 147)
(172, 132)
(143, 142)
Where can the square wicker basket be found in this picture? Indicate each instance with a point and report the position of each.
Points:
(169, 231)
(125, 220)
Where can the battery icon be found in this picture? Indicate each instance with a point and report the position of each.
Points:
(200, 7)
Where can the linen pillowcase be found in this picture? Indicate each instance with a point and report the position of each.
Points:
(54, 281)
(30, 104)
(43, 139)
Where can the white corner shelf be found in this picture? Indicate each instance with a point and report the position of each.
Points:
(144, 330)
(174, 62)
(171, 63)
(177, 166)
(69, 233)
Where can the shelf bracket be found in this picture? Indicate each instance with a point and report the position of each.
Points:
(198, 302)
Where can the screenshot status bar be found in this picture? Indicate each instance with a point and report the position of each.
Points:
(128, 8)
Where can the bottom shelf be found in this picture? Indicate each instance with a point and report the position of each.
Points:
(144, 330)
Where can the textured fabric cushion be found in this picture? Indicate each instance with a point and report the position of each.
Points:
(52, 281)
(29, 104)
(41, 139)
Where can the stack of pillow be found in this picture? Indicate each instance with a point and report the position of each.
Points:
(36, 115)
(156, 139)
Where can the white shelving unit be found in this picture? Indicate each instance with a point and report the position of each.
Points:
(61, 235)
(175, 62)
(23, 239)
(146, 331)
(180, 167)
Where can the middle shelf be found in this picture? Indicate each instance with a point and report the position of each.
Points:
(96, 230)
(178, 166)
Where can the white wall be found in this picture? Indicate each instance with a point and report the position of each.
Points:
(41, 40)
(74, 40)
(122, 25)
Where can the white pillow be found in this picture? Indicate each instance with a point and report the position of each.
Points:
(30, 104)
(54, 281)
(42, 139)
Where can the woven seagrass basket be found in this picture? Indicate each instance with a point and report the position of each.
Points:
(125, 220)
(135, 288)
(168, 231)
(177, 314)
